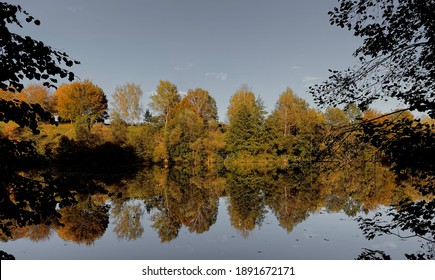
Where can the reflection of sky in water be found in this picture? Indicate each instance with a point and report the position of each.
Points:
(322, 236)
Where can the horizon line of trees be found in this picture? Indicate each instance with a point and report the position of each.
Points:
(186, 128)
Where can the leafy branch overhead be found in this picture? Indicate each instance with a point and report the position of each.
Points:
(23, 57)
(397, 56)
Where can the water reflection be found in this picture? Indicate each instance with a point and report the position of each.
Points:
(83, 222)
(79, 210)
(128, 215)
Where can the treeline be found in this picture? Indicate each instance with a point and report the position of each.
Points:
(185, 128)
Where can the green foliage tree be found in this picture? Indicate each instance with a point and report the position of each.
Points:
(246, 116)
(273, 139)
(244, 132)
(126, 102)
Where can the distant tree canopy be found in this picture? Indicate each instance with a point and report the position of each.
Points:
(81, 100)
(397, 55)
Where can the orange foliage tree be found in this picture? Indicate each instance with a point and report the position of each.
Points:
(81, 101)
(38, 94)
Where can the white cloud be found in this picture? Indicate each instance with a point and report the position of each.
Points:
(220, 76)
(184, 68)
(296, 67)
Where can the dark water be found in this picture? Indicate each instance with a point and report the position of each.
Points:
(243, 213)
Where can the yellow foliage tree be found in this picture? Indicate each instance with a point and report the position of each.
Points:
(38, 94)
(126, 102)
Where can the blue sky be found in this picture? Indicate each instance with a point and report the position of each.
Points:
(216, 45)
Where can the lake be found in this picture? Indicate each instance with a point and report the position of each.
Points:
(243, 213)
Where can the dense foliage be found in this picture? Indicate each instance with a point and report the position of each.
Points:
(397, 61)
(397, 55)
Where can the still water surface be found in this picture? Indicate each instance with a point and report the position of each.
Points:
(322, 236)
(238, 215)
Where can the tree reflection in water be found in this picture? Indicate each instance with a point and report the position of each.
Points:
(184, 198)
(61, 191)
(128, 220)
(78, 209)
(83, 222)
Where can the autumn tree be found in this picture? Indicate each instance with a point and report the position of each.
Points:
(289, 109)
(242, 96)
(39, 94)
(164, 101)
(144, 143)
(203, 104)
(81, 102)
(335, 118)
(119, 130)
(293, 129)
(126, 103)
(7, 95)
(185, 129)
(191, 137)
